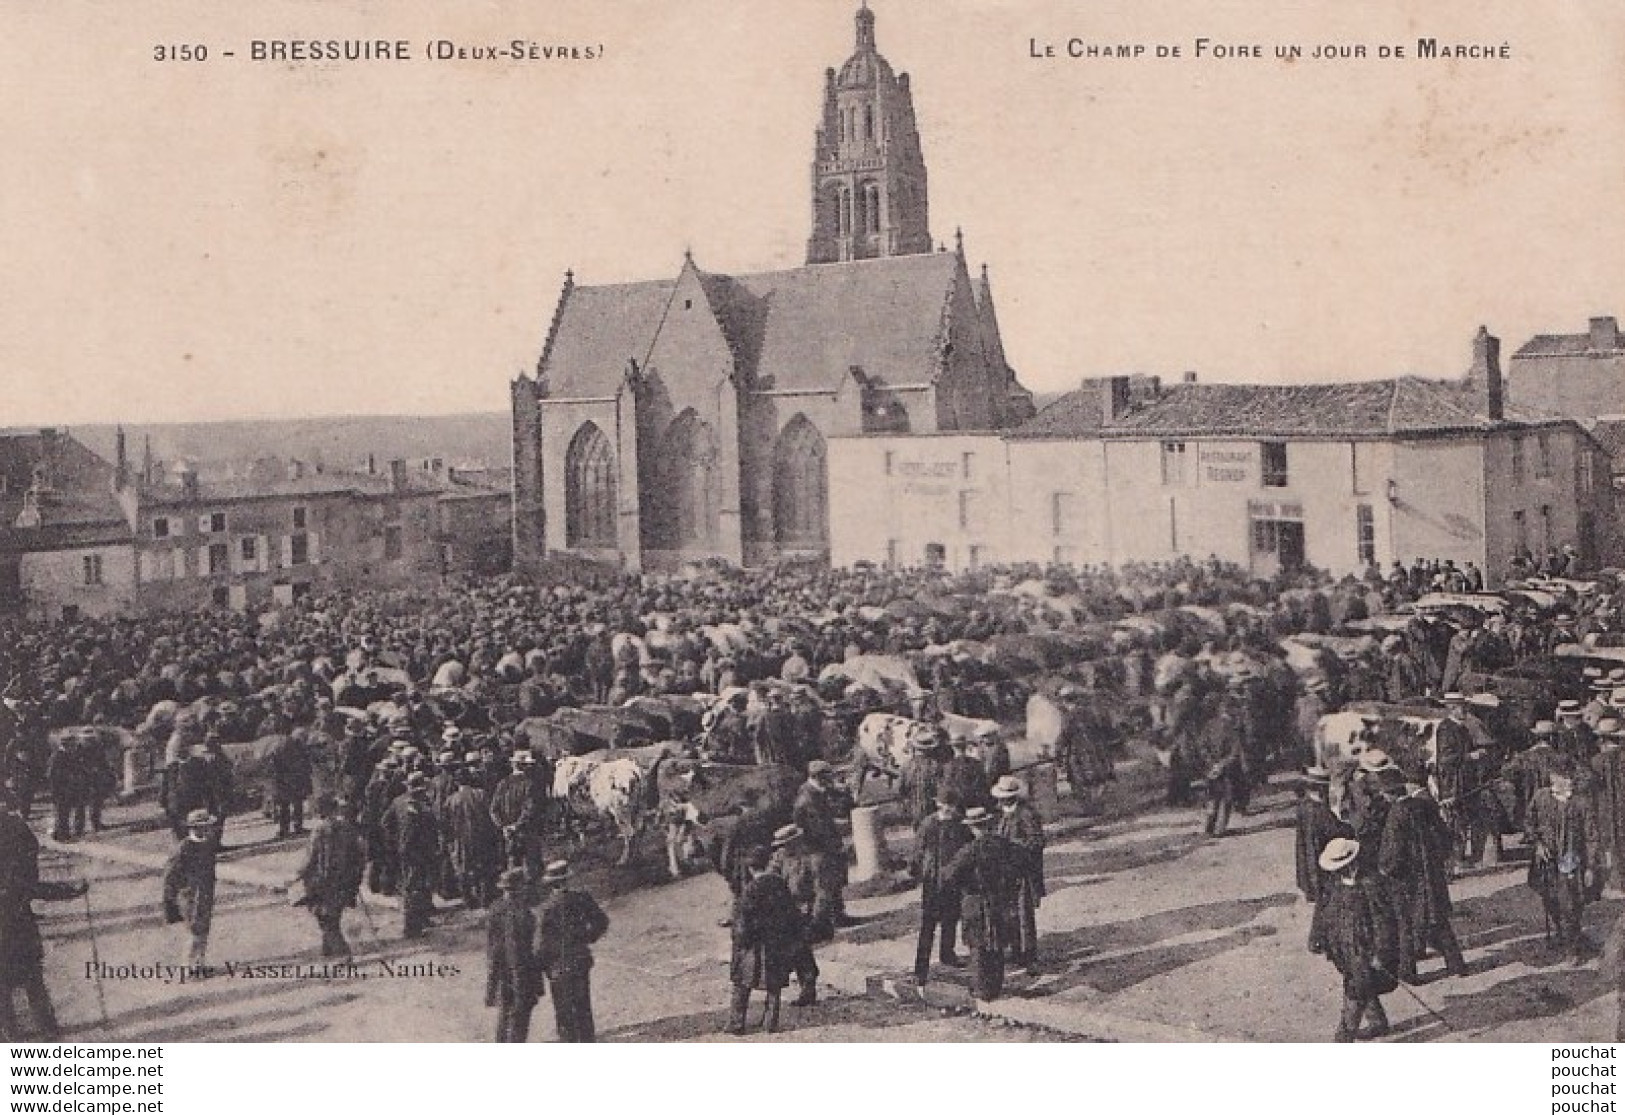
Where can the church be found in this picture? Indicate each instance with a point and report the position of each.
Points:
(688, 418)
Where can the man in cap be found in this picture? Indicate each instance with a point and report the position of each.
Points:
(22, 957)
(332, 871)
(291, 780)
(1561, 828)
(1361, 939)
(414, 835)
(1368, 805)
(1317, 826)
(1224, 755)
(936, 842)
(513, 979)
(985, 873)
(1020, 824)
(189, 785)
(568, 923)
(818, 805)
(768, 936)
(356, 759)
(1414, 857)
(189, 884)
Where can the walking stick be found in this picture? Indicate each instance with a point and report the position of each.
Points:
(95, 952)
(1443, 1021)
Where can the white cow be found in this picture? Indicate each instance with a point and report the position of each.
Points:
(624, 787)
(886, 744)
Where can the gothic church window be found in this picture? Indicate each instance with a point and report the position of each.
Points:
(871, 207)
(589, 495)
(800, 487)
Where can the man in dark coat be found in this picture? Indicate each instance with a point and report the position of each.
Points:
(1224, 753)
(986, 873)
(1608, 789)
(188, 786)
(768, 932)
(1561, 828)
(513, 979)
(1361, 940)
(290, 763)
(1414, 858)
(519, 810)
(922, 779)
(818, 804)
(66, 778)
(22, 952)
(332, 871)
(413, 833)
(1020, 824)
(471, 841)
(938, 839)
(567, 925)
(383, 787)
(964, 779)
(790, 861)
(1317, 826)
(189, 883)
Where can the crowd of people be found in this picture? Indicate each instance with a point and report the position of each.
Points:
(400, 717)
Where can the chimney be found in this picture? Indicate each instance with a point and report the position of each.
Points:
(189, 485)
(372, 465)
(1113, 399)
(1604, 334)
(46, 469)
(1486, 371)
(1188, 377)
(397, 475)
(121, 463)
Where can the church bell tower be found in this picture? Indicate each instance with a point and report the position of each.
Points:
(868, 175)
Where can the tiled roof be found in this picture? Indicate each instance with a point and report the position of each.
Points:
(1566, 344)
(799, 329)
(1376, 408)
(600, 328)
(1609, 434)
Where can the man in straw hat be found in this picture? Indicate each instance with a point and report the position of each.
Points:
(789, 860)
(189, 884)
(568, 923)
(1020, 824)
(1561, 828)
(985, 872)
(768, 934)
(939, 839)
(513, 980)
(1361, 939)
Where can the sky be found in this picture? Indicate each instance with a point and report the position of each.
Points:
(230, 239)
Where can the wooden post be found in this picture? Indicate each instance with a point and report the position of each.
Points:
(868, 842)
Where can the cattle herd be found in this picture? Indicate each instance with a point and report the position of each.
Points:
(601, 709)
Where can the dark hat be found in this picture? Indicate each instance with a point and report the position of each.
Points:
(819, 767)
(417, 780)
(200, 818)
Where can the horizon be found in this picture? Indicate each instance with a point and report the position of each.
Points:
(393, 241)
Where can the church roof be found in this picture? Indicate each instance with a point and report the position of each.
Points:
(599, 329)
(799, 329)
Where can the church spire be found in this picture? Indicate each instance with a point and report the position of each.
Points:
(868, 173)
